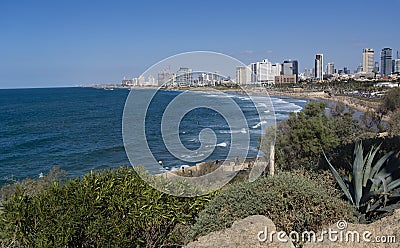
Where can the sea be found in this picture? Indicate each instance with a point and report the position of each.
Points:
(80, 129)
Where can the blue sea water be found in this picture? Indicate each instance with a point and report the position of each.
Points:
(80, 129)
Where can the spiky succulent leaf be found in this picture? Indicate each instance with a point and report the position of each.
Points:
(385, 190)
(390, 172)
(358, 171)
(368, 163)
(389, 208)
(393, 185)
(368, 196)
(376, 168)
(339, 180)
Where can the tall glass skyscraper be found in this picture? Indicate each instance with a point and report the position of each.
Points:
(319, 66)
(386, 61)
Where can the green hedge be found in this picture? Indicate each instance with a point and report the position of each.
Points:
(292, 201)
(102, 209)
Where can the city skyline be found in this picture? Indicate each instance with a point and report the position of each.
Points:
(50, 43)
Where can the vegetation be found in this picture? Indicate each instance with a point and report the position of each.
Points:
(107, 208)
(294, 202)
(371, 187)
(393, 124)
(391, 101)
(300, 138)
(346, 128)
(33, 187)
(391, 107)
(117, 208)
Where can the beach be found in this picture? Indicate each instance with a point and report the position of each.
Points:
(352, 102)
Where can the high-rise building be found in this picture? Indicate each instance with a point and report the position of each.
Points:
(398, 54)
(276, 69)
(151, 81)
(308, 72)
(386, 61)
(184, 77)
(164, 76)
(243, 75)
(376, 67)
(359, 68)
(368, 60)
(397, 66)
(318, 66)
(287, 68)
(330, 68)
(262, 72)
(393, 65)
(290, 67)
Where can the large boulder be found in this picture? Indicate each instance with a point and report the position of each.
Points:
(382, 233)
(253, 231)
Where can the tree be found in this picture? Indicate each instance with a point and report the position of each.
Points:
(372, 120)
(346, 127)
(391, 101)
(393, 125)
(301, 137)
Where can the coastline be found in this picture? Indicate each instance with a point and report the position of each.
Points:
(349, 101)
(352, 102)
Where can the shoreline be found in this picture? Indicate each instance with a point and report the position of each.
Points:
(351, 102)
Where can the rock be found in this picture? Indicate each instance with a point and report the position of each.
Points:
(247, 232)
(244, 233)
(386, 229)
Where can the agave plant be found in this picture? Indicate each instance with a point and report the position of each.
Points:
(371, 187)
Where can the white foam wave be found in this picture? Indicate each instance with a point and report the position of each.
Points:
(243, 130)
(259, 124)
(244, 98)
(222, 144)
(192, 156)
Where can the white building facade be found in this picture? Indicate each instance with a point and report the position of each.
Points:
(368, 60)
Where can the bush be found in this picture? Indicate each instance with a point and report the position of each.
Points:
(292, 201)
(102, 209)
(393, 125)
(33, 186)
(391, 101)
(300, 138)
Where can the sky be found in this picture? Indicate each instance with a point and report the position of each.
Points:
(68, 43)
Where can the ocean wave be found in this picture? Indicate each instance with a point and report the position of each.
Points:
(243, 130)
(222, 144)
(259, 124)
(191, 156)
(290, 107)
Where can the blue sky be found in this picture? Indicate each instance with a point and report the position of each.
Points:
(66, 43)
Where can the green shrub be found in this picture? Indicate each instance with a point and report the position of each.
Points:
(33, 186)
(299, 139)
(102, 209)
(292, 201)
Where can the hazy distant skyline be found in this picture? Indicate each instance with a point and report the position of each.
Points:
(66, 43)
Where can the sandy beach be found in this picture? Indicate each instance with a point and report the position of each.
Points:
(352, 102)
(355, 103)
